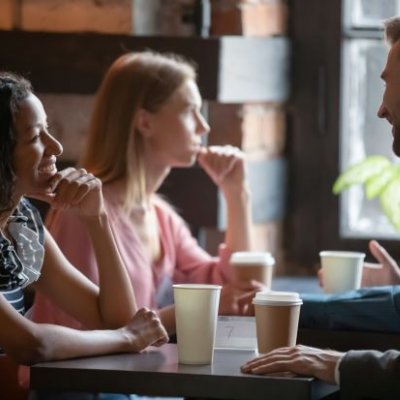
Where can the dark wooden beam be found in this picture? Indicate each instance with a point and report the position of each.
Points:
(230, 69)
(314, 127)
(76, 62)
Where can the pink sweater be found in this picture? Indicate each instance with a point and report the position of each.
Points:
(183, 259)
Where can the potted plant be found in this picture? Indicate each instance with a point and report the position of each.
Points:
(381, 178)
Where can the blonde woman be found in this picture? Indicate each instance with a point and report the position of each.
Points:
(147, 120)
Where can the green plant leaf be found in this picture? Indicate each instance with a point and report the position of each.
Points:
(360, 172)
(377, 183)
(390, 202)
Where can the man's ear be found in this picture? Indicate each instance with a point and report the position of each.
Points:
(143, 122)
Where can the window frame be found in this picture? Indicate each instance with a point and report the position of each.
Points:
(313, 148)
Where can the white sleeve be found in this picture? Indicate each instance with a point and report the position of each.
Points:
(337, 373)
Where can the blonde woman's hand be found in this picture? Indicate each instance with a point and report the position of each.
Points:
(74, 190)
(236, 297)
(225, 165)
(145, 329)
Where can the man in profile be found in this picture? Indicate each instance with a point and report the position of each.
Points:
(365, 374)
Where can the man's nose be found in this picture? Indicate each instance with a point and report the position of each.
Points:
(382, 111)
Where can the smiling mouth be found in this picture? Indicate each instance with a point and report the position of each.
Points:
(48, 169)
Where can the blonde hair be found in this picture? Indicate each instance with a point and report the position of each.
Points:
(114, 149)
(392, 30)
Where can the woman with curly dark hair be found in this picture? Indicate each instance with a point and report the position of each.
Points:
(29, 257)
(9, 101)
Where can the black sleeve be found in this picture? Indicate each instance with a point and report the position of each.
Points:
(370, 374)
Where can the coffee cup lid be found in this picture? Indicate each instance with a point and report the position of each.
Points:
(338, 253)
(252, 257)
(196, 286)
(277, 298)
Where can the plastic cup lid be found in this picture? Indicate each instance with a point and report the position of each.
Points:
(196, 286)
(342, 254)
(277, 298)
(252, 257)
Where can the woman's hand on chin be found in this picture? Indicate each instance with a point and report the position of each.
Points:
(74, 190)
(225, 165)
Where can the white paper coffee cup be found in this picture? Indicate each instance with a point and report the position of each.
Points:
(196, 312)
(277, 319)
(341, 270)
(252, 265)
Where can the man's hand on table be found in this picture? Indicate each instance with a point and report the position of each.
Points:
(300, 360)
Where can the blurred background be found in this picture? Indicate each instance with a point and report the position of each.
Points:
(295, 84)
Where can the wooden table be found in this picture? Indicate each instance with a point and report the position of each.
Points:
(156, 372)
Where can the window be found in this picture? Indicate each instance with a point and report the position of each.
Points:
(361, 132)
(337, 56)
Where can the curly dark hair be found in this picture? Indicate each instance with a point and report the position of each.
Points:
(14, 90)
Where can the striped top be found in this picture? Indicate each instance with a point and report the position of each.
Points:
(21, 259)
(16, 298)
